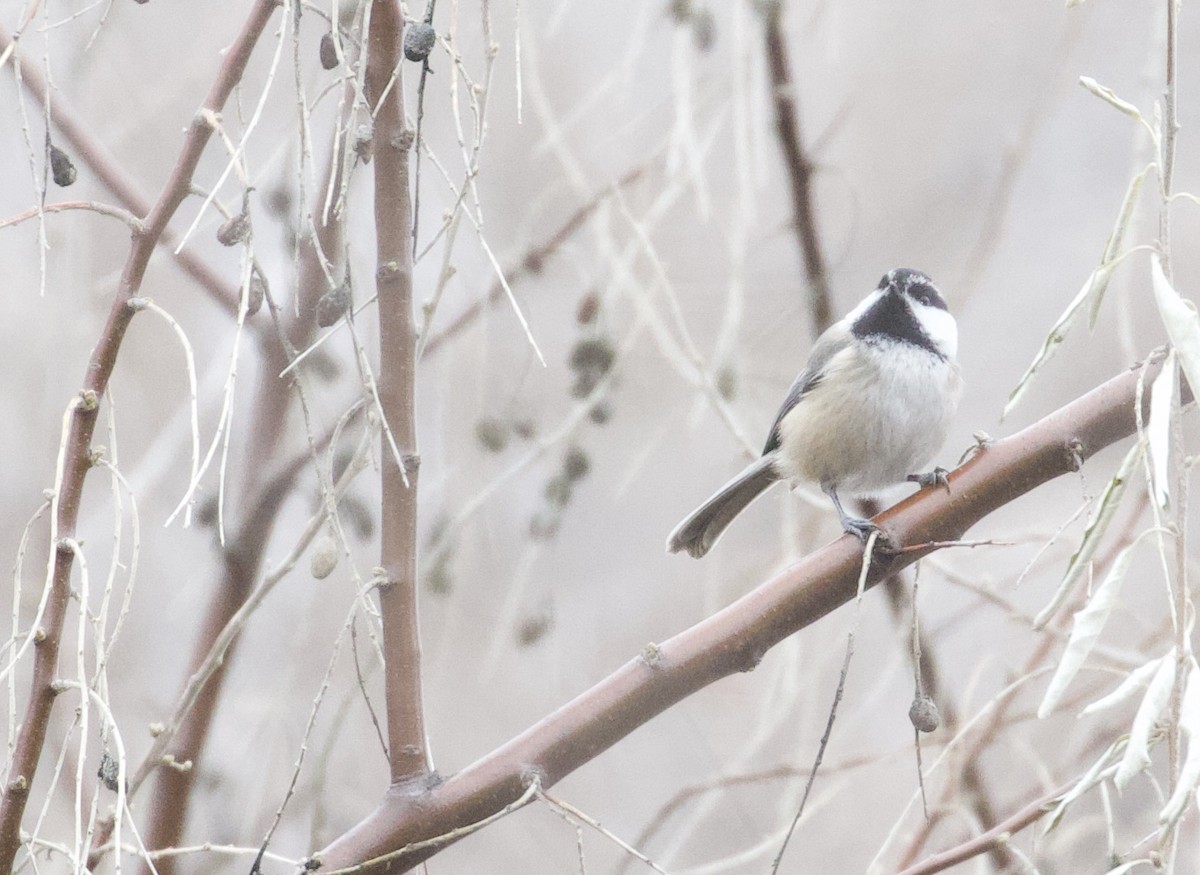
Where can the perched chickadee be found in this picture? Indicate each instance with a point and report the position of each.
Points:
(871, 407)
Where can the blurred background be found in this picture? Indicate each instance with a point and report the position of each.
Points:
(630, 147)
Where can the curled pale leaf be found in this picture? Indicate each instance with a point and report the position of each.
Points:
(1110, 97)
(1189, 774)
(1137, 750)
(1087, 781)
(1181, 321)
(1097, 525)
(1135, 681)
(1085, 630)
(1158, 432)
(1116, 240)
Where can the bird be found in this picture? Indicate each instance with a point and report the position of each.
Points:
(871, 407)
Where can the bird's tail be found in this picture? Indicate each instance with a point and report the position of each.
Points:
(704, 525)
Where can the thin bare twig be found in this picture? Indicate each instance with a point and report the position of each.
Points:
(77, 456)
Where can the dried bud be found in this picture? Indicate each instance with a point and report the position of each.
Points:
(924, 714)
(234, 230)
(61, 167)
(333, 305)
(256, 294)
(419, 40)
(328, 52)
(525, 429)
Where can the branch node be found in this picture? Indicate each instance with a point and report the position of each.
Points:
(1075, 453)
(388, 272)
(89, 399)
(311, 864)
(138, 303)
(39, 635)
(412, 463)
(59, 686)
(652, 655)
(178, 765)
(18, 785)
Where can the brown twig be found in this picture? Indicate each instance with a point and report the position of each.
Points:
(77, 452)
(397, 344)
(799, 168)
(89, 149)
(994, 839)
(534, 259)
(736, 638)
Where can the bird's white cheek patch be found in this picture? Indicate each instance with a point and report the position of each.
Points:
(940, 327)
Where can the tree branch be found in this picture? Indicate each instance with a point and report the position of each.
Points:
(736, 638)
(77, 458)
(397, 351)
(799, 168)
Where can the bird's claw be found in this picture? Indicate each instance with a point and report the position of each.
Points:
(863, 529)
(937, 477)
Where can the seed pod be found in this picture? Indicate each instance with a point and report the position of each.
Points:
(593, 355)
(328, 52)
(601, 413)
(419, 40)
(589, 306)
(558, 490)
(108, 771)
(61, 167)
(924, 714)
(324, 558)
(234, 230)
(576, 464)
(533, 629)
(364, 143)
(704, 29)
(333, 305)
(491, 434)
(727, 383)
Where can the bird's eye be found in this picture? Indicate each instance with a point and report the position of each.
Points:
(927, 295)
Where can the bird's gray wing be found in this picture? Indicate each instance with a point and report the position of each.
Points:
(828, 345)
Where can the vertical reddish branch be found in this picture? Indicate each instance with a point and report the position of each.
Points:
(787, 127)
(77, 459)
(397, 349)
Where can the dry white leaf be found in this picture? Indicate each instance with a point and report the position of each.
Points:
(1085, 630)
(1137, 749)
(1158, 431)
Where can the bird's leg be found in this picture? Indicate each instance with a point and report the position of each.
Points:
(937, 477)
(851, 525)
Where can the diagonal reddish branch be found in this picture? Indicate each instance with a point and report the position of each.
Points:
(736, 638)
(397, 351)
(90, 150)
(77, 458)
